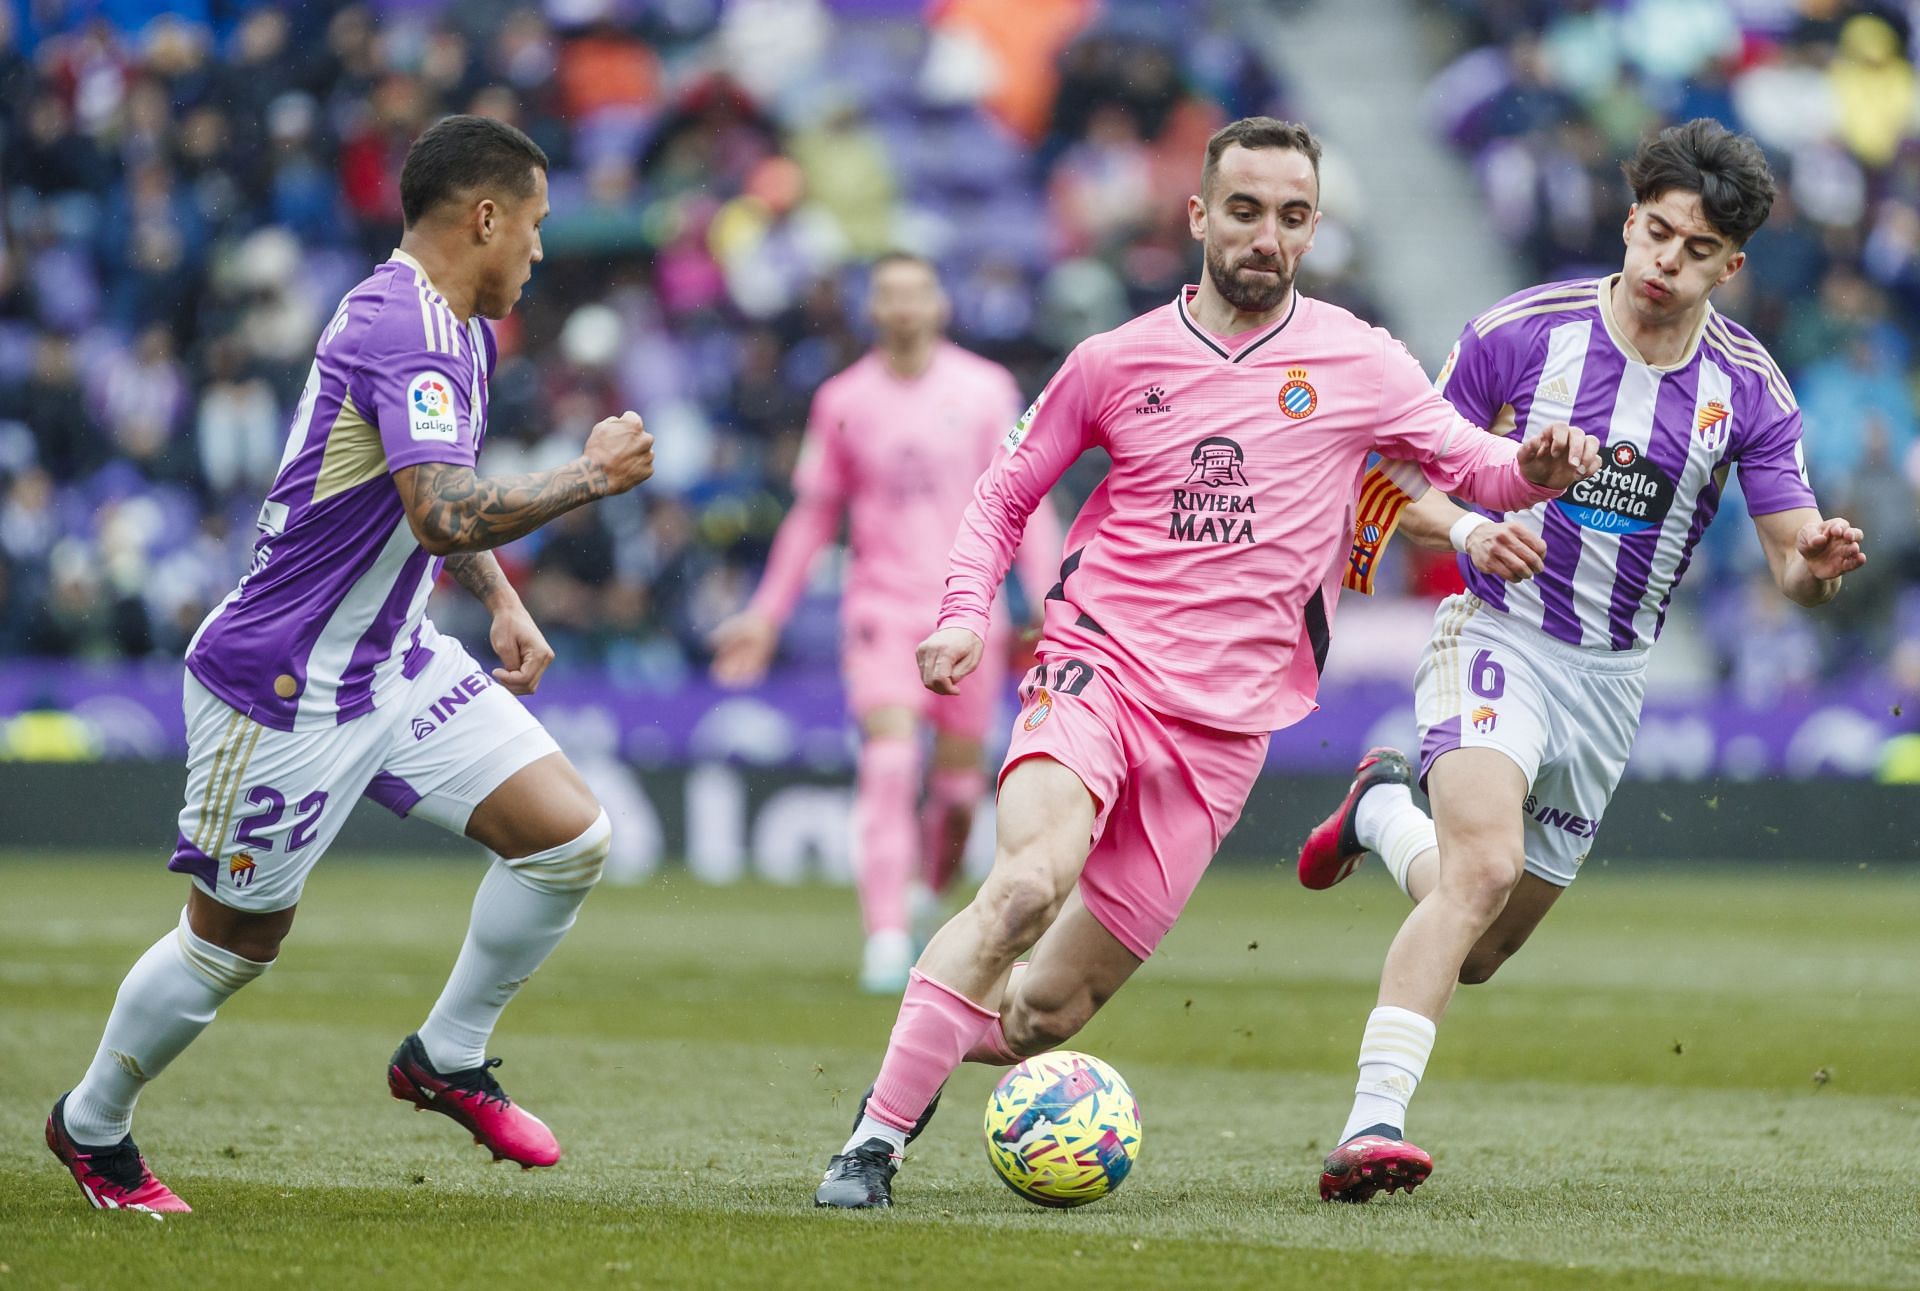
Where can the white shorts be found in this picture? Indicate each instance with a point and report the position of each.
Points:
(264, 805)
(1566, 716)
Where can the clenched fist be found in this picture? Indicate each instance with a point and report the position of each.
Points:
(946, 657)
(1559, 456)
(623, 450)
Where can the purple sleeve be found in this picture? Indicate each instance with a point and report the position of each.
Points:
(418, 397)
(1773, 468)
(1476, 378)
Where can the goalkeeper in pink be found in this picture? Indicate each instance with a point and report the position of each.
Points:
(1191, 619)
(896, 442)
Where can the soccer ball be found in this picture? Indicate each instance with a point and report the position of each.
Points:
(1062, 1129)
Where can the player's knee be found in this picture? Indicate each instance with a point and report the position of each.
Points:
(237, 958)
(1017, 905)
(1481, 881)
(256, 943)
(574, 866)
(253, 936)
(263, 949)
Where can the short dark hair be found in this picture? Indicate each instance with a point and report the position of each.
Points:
(1727, 170)
(900, 256)
(465, 154)
(1258, 132)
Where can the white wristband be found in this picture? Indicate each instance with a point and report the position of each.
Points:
(1465, 525)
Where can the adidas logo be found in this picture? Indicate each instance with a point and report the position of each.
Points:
(1557, 391)
(1156, 401)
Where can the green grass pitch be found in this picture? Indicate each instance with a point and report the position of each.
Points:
(1633, 1102)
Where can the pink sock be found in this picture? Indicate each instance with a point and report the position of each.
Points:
(936, 1026)
(992, 1049)
(885, 790)
(945, 822)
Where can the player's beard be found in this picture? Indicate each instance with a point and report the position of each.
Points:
(1250, 293)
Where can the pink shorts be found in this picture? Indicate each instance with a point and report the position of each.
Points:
(1165, 791)
(880, 671)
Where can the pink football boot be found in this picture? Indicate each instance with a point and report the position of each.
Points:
(113, 1178)
(474, 1099)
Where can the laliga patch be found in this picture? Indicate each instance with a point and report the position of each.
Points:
(1042, 710)
(1018, 435)
(430, 408)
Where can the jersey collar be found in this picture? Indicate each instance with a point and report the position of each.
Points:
(1213, 343)
(1628, 348)
(401, 257)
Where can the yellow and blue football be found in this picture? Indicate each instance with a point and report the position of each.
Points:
(1062, 1129)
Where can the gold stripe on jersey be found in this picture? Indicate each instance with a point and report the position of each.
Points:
(428, 322)
(353, 454)
(1551, 307)
(1746, 343)
(1381, 502)
(232, 794)
(1502, 314)
(1534, 298)
(215, 779)
(1785, 400)
(1776, 386)
(1749, 355)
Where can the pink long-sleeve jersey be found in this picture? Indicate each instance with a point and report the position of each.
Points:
(900, 456)
(1202, 573)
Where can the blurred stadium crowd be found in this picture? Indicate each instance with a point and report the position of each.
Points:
(1550, 96)
(187, 193)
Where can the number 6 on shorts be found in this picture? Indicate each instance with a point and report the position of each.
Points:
(1489, 678)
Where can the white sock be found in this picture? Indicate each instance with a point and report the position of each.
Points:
(1391, 827)
(870, 1128)
(1393, 1058)
(515, 926)
(1376, 806)
(168, 998)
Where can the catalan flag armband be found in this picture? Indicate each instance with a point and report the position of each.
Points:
(1374, 520)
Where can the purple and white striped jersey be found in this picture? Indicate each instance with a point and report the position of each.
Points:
(333, 606)
(1619, 542)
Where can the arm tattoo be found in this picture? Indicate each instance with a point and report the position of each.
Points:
(479, 573)
(467, 512)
